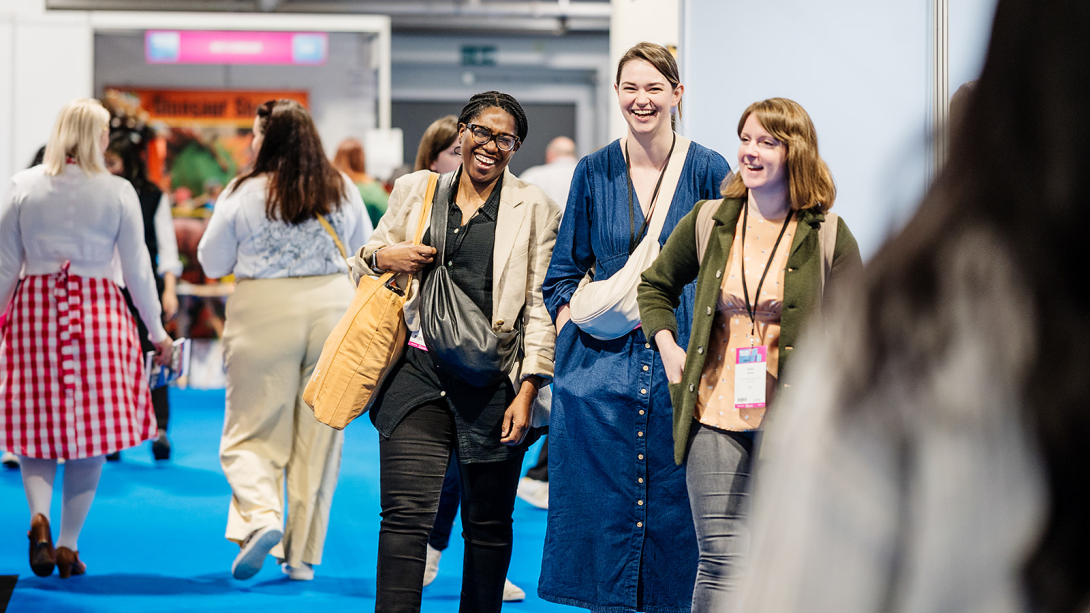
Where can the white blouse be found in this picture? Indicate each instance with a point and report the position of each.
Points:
(240, 239)
(47, 220)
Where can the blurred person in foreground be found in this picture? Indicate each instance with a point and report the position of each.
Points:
(555, 175)
(123, 160)
(72, 380)
(934, 450)
(351, 160)
(292, 289)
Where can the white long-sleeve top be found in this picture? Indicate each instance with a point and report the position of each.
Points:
(47, 220)
(240, 239)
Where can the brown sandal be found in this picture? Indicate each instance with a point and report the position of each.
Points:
(68, 563)
(42, 556)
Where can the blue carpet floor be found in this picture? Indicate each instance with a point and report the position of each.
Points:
(154, 539)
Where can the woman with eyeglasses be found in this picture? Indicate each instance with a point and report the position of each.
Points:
(497, 234)
(72, 380)
(440, 151)
(283, 230)
(620, 533)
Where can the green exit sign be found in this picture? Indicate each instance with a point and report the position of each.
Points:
(473, 55)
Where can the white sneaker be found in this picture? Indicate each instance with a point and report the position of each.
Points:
(512, 592)
(300, 573)
(431, 565)
(534, 492)
(253, 552)
(9, 460)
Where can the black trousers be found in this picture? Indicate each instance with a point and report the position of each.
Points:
(160, 401)
(540, 471)
(413, 461)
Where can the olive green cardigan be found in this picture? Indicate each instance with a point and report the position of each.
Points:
(678, 264)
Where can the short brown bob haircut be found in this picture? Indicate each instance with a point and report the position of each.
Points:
(809, 182)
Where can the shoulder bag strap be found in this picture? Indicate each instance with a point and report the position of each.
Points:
(669, 186)
(705, 223)
(425, 210)
(827, 247)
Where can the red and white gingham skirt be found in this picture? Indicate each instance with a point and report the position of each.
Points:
(72, 381)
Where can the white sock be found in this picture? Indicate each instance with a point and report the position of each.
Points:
(38, 478)
(80, 482)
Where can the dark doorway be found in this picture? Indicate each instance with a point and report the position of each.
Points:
(546, 121)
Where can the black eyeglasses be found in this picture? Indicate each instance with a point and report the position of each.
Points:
(481, 135)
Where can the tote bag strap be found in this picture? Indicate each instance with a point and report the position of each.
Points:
(429, 195)
(425, 210)
(336, 239)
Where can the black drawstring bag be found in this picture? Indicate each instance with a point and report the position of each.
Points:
(455, 330)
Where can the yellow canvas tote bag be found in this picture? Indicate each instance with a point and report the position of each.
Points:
(364, 345)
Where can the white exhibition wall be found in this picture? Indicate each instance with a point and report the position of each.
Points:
(862, 69)
(47, 58)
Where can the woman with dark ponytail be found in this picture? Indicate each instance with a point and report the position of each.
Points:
(491, 234)
(283, 229)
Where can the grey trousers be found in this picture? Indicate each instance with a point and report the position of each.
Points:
(718, 474)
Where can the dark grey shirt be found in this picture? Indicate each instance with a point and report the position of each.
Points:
(469, 248)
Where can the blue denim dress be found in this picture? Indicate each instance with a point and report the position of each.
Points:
(620, 532)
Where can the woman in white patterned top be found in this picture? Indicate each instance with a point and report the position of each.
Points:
(292, 289)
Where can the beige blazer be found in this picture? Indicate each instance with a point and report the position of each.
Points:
(525, 234)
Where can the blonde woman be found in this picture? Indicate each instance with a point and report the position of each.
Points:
(72, 380)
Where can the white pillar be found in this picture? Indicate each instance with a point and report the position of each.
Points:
(635, 21)
(46, 60)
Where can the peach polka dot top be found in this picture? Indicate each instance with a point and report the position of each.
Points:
(732, 328)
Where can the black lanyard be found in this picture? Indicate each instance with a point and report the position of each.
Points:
(632, 240)
(752, 309)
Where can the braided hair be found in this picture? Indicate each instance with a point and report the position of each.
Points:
(505, 102)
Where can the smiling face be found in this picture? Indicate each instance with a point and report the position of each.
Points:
(762, 158)
(646, 97)
(483, 164)
(448, 159)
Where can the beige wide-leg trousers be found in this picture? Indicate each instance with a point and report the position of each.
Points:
(274, 334)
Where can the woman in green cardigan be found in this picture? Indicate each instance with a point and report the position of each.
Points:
(763, 257)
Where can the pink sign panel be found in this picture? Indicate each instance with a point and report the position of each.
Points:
(208, 47)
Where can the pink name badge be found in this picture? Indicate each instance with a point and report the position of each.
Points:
(750, 369)
(416, 339)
